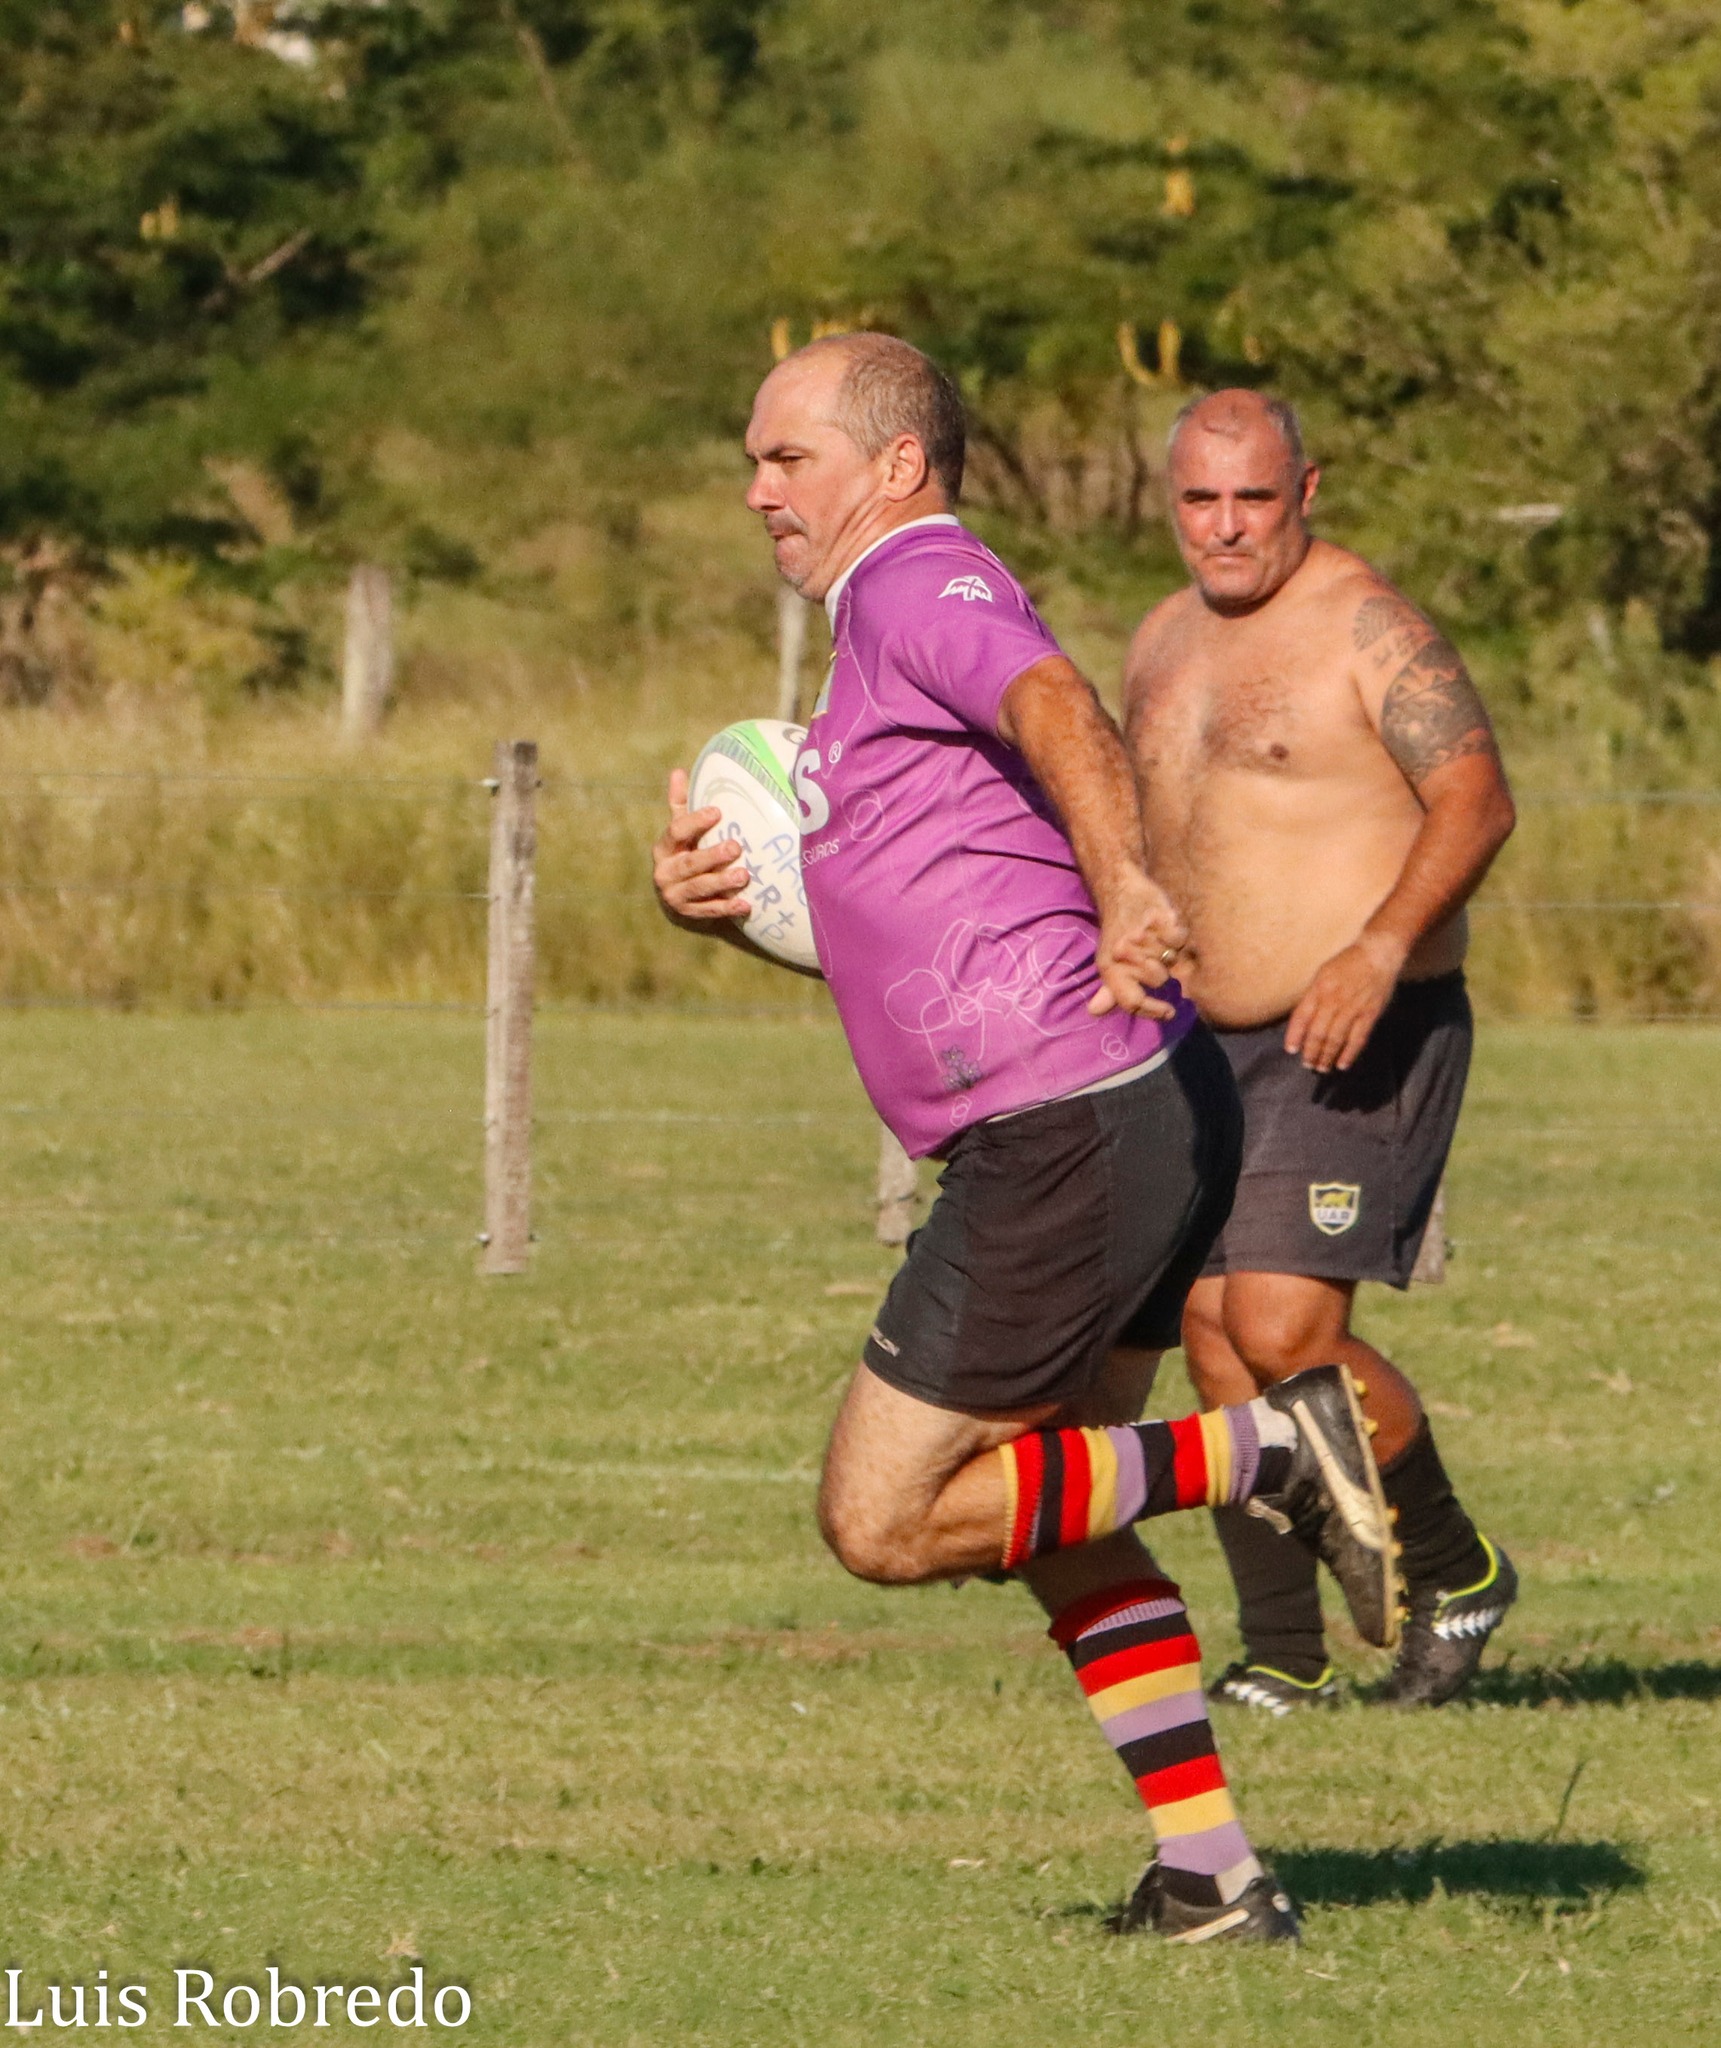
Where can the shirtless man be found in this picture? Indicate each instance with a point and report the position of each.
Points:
(1322, 794)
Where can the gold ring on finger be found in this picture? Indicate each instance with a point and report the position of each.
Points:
(1167, 955)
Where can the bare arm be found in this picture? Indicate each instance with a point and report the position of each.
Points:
(1433, 723)
(1052, 715)
(1436, 728)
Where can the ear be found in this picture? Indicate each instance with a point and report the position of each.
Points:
(905, 468)
(1311, 484)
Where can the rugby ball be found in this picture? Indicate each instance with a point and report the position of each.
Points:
(747, 771)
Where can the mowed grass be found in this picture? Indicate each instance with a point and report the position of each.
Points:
(359, 1610)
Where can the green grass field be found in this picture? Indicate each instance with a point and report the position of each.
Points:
(361, 1611)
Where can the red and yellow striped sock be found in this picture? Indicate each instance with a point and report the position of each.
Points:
(1137, 1660)
(1067, 1486)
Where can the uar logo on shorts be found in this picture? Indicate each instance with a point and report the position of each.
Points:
(1334, 1206)
(969, 588)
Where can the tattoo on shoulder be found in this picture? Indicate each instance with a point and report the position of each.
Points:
(1375, 618)
(1431, 713)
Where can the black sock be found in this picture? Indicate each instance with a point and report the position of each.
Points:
(1442, 1551)
(1278, 1597)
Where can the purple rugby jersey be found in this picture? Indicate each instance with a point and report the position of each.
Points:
(953, 925)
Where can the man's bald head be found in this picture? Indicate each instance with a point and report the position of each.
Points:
(1241, 488)
(1236, 415)
(850, 438)
(888, 387)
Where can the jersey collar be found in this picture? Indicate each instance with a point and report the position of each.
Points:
(908, 526)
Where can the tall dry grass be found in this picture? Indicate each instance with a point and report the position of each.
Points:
(180, 824)
(256, 861)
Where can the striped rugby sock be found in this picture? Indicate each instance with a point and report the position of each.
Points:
(1137, 1660)
(1067, 1486)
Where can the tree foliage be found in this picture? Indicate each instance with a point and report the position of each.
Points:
(1478, 240)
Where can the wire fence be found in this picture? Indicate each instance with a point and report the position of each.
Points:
(417, 856)
(182, 923)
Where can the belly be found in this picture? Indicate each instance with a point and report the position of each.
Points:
(1275, 882)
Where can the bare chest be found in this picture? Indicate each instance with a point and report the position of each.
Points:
(1255, 716)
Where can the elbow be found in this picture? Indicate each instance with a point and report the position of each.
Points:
(1504, 821)
(1493, 816)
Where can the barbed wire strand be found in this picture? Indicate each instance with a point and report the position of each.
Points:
(552, 1011)
(553, 783)
(550, 784)
(196, 892)
(763, 1013)
(338, 1116)
(199, 892)
(1591, 907)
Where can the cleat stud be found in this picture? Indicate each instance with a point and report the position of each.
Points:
(1372, 1427)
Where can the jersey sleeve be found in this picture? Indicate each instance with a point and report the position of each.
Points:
(969, 634)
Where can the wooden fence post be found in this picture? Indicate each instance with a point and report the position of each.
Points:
(1430, 1268)
(897, 1191)
(367, 671)
(791, 645)
(508, 1024)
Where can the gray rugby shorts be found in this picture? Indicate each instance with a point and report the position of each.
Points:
(1340, 1170)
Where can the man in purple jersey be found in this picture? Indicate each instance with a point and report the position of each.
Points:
(998, 953)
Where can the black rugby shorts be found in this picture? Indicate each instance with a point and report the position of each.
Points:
(1061, 1232)
(1340, 1170)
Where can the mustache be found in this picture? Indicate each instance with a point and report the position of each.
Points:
(783, 525)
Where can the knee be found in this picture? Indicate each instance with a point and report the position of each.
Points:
(866, 1543)
(1275, 1339)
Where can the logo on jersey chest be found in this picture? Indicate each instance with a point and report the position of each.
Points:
(971, 589)
(815, 805)
(1334, 1205)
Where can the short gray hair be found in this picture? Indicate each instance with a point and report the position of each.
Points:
(889, 387)
(1282, 415)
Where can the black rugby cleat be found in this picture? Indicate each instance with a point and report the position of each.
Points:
(1262, 1911)
(1332, 1497)
(1446, 1634)
(1266, 1691)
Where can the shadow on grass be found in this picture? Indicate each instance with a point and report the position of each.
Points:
(1517, 1875)
(1510, 1872)
(1603, 1682)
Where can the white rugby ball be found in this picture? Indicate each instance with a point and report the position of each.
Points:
(747, 771)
